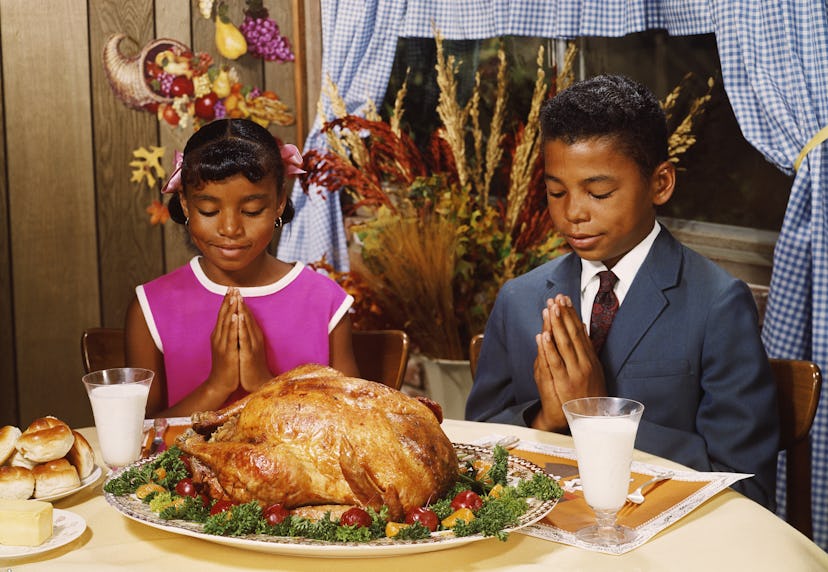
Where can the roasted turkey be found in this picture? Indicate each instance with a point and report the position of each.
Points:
(313, 436)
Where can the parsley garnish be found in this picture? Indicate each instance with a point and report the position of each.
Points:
(414, 532)
(540, 487)
(442, 508)
(132, 478)
(236, 521)
(500, 467)
(496, 514)
(192, 509)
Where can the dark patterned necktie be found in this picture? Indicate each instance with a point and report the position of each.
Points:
(603, 310)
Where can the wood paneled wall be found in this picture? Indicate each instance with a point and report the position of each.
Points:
(75, 239)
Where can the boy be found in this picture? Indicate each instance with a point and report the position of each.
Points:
(669, 328)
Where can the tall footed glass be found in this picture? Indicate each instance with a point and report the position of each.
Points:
(604, 431)
(119, 399)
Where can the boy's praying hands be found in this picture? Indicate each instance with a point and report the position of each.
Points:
(567, 366)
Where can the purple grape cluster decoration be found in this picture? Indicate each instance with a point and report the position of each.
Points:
(264, 40)
(165, 83)
(221, 111)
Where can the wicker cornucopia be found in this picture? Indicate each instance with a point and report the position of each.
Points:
(126, 74)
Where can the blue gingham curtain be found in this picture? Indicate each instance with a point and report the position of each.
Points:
(479, 19)
(774, 56)
(359, 41)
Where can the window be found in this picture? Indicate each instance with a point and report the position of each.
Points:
(722, 178)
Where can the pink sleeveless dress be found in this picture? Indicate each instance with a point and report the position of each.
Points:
(296, 315)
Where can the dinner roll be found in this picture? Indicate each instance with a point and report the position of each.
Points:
(81, 456)
(46, 439)
(8, 437)
(16, 483)
(44, 423)
(19, 460)
(54, 477)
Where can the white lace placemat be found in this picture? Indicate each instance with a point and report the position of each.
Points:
(715, 482)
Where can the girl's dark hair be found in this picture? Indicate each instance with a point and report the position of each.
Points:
(611, 106)
(227, 147)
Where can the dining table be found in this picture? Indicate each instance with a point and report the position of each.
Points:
(727, 532)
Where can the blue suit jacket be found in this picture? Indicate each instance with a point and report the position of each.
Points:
(685, 342)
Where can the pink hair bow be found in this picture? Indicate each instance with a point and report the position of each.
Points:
(173, 184)
(292, 159)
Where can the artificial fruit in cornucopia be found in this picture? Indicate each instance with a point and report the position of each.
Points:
(205, 106)
(264, 39)
(261, 32)
(222, 83)
(185, 88)
(230, 42)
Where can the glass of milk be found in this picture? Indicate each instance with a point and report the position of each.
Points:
(119, 400)
(604, 431)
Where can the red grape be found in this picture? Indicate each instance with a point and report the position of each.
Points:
(424, 516)
(355, 516)
(467, 499)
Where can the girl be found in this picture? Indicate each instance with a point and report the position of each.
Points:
(227, 322)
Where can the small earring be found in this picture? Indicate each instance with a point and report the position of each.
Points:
(278, 222)
(187, 222)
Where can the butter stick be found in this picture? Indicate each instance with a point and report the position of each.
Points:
(25, 522)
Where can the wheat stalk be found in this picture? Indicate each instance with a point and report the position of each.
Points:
(526, 152)
(682, 137)
(451, 115)
(397, 115)
(335, 144)
(566, 75)
(669, 102)
(473, 110)
(494, 149)
(371, 113)
(337, 103)
(346, 140)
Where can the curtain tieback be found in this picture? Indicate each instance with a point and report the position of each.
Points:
(821, 136)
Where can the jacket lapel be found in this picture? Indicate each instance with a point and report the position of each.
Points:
(565, 278)
(643, 303)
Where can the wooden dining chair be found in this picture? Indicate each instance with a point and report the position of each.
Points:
(102, 348)
(798, 385)
(381, 355)
(474, 352)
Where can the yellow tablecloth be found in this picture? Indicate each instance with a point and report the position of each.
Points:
(729, 532)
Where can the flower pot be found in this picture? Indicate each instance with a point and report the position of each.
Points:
(448, 382)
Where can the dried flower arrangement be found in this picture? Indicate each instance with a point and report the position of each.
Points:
(439, 240)
(433, 237)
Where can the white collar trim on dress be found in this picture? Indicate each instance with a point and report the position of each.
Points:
(246, 292)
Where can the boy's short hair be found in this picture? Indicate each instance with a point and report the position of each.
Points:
(610, 106)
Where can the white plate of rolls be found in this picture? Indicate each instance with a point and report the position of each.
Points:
(48, 461)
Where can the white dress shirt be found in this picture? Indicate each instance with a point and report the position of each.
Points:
(625, 269)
